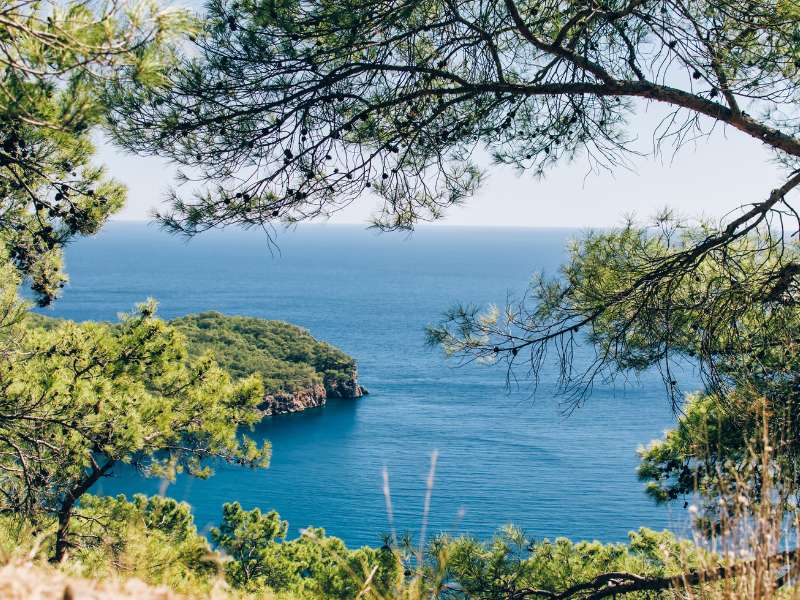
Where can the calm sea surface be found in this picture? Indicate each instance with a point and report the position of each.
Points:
(503, 457)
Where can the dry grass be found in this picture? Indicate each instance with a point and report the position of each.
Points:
(753, 549)
(25, 574)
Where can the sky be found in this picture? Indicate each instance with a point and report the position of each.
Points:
(707, 178)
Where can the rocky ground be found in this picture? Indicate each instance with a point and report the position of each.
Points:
(26, 581)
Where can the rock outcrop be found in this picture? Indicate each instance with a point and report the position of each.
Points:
(281, 403)
(344, 388)
(289, 402)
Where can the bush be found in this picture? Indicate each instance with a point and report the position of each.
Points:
(313, 565)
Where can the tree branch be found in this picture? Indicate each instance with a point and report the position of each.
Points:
(619, 583)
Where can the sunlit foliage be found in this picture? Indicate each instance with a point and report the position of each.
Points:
(56, 59)
(79, 400)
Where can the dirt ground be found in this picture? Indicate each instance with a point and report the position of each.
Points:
(31, 582)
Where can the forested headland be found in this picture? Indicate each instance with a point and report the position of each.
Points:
(296, 370)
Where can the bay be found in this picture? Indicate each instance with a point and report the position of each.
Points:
(504, 456)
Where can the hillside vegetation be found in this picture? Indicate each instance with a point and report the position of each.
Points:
(130, 546)
(288, 358)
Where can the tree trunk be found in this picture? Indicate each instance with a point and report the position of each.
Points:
(65, 512)
(64, 517)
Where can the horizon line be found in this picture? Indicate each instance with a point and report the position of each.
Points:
(366, 225)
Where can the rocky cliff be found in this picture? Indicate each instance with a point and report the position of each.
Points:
(280, 403)
(298, 371)
(344, 387)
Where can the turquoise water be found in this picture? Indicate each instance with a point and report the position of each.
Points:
(502, 455)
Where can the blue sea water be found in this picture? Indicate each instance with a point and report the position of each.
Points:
(503, 457)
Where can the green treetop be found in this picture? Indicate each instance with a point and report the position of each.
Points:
(286, 357)
(312, 565)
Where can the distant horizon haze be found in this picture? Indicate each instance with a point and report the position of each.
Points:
(443, 224)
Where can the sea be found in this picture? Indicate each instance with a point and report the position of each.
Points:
(481, 452)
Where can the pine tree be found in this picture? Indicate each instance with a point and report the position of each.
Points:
(57, 60)
(80, 400)
(286, 111)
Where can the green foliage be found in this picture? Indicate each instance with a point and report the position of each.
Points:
(246, 537)
(114, 515)
(317, 566)
(58, 57)
(686, 459)
(690, 457)
(80, 399)
(323, 567)
(290, 110)
(728, 312)
(155, 538)
(511, 563)
(313, 565)
(735, 453)
(152, 539)
(286, 357)
(646, 298)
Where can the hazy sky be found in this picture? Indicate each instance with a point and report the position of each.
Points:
(707, 178)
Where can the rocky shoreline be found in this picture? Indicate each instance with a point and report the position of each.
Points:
(281, 403)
